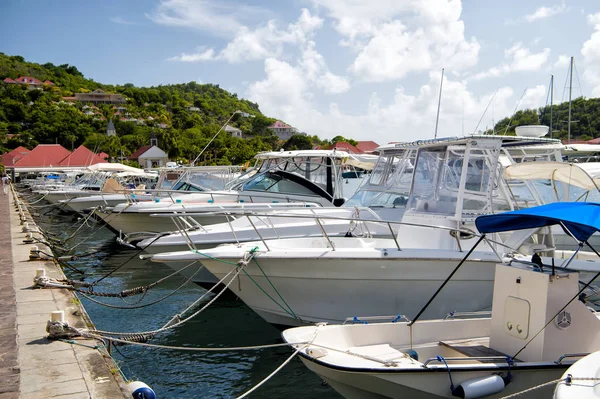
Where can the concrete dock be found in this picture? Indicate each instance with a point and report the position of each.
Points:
(32, 366)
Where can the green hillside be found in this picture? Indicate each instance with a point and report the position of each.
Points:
(184, 117)
(585, 119)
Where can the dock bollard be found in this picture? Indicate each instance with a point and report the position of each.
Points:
(34, 253)
(28, 238)
(57, 315)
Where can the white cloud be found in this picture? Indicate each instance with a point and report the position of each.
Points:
(260, 43)
(403, 36)
(591, 55)
(314, 68)
(407, 117)
(220, 18)
(562, 61)
(534, 98)
(546, 12)
(201, 55)
(518, 59)
(121, 21)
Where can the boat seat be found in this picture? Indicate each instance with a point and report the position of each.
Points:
(477, 347)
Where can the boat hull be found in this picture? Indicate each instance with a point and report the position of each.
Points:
(326, 289)
(433, 383)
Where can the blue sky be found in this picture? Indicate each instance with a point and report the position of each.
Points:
(369, 70)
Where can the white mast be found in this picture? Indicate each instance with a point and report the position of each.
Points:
(570, 93)
(437, 118)
(551, 101)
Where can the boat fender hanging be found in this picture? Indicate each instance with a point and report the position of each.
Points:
(140, 390)
(479, 387)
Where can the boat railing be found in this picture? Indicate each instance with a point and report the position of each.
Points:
(570, 355)
(392, 225)
(218, 195)
(499, 359)
(376, 319)
(454, 315)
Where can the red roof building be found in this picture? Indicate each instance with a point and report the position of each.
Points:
(368, 147)
(81, 157)
(43, 155)
(49, 83)
(9, 158)
(139, 152)
(9, 80)
(29, 80)
(345, 146)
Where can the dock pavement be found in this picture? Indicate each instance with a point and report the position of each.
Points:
(32, 366)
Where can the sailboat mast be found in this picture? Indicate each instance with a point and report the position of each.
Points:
(437, 118)
(570, 93)
(551, 101)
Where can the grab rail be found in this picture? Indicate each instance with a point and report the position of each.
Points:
(505, 359)
(452, 315)
(318, 219)
(568, 355)
(384, 319)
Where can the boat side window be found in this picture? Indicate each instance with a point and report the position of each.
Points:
(379, 175)
(425, 187)
(278, 182)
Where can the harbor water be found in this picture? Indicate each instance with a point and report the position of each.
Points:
(228, 322)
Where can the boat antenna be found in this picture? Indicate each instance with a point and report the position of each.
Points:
(219, 131)
(551, 106)
(513, 114)
(486, 108)
(437, 118)
(570, 95)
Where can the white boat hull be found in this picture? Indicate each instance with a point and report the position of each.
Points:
(130, 222)
(331, 288)
(433, 383)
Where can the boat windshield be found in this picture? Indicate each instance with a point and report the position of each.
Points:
(388, 185)
(322, 171)
(454, 180)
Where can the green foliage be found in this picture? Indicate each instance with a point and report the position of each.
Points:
(298, 142)
(342, 138)
(42, 117)
(585, 119)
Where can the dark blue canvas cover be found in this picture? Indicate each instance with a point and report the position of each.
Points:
(582, 219)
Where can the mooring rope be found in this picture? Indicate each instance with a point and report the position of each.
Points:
(567, 379)
(147, 304)
(177, 320)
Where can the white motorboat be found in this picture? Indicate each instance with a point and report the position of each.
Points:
(537, 329)
(561, 181)
(170, 181)
(381, 196)
(299, 280)
(580, 381)
(98, 177)
(300, 178)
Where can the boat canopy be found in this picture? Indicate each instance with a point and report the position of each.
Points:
(362, 161)
(302, 153)
(113, 167)
(583, 175)
(582, 219)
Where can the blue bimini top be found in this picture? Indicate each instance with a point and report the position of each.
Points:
(582, 219)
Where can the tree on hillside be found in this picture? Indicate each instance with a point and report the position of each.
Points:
(298, 142)
(337, 139)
